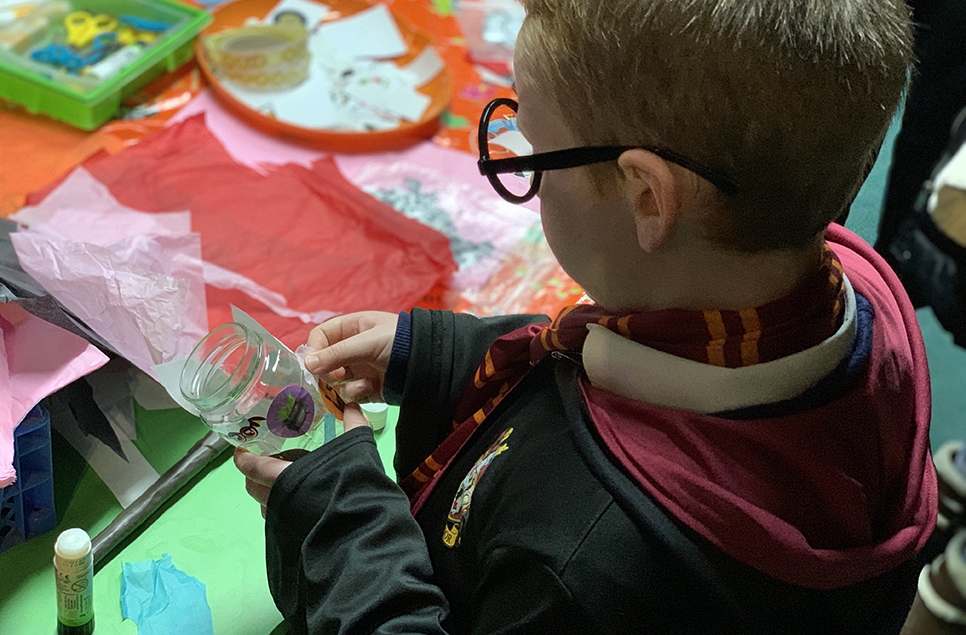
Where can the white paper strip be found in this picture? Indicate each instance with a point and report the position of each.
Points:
(425, 66)
(126, 479)
(370, 34)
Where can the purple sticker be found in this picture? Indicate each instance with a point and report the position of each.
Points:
(291, 413)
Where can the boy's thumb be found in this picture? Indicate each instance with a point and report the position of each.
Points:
(352, 417)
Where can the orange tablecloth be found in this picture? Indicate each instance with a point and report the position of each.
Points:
(36, 150)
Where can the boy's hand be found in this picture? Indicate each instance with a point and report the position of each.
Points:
(261, 471)
(352, 352)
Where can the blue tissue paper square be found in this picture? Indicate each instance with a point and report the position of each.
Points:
(163, 600)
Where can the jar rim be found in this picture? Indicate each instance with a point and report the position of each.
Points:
(202, 366)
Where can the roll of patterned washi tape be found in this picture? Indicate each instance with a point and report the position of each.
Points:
(261, 58)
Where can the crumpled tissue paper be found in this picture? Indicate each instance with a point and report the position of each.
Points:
(164, 600)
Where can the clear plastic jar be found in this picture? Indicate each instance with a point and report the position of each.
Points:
(256, 394)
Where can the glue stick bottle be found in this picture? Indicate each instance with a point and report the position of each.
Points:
(74, 567)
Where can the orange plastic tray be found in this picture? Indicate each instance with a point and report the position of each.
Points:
(440, 89)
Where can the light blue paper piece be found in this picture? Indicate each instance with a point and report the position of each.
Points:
(163, 600)
(328, 427)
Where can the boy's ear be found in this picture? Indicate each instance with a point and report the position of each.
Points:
(652, 188)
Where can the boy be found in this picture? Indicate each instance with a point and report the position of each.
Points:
(732, 438)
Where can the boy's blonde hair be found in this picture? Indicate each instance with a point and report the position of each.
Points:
(790, 98)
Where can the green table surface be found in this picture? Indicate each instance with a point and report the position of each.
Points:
(214, 531)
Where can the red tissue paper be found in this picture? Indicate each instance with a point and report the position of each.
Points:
(307, 234)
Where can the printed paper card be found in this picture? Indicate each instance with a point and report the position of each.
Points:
(369, 34)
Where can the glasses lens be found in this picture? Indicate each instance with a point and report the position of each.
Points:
(504, 141)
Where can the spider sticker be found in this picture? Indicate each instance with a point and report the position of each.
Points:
(291, 413)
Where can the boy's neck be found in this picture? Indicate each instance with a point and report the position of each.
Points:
(717, 279)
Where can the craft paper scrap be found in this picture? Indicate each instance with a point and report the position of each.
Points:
(163, 600)
(311, 12)
(443, 189)
(257, 101)
(365, 90)
(226, 279)
(135, 279)
(135, 296)
(326, 56)
(128, 477)
(252, 325)
(89, 417)
(149, 394)
(306, 234)
(77, 187)
(36, 359)
(104, 220)
(312, 104)
(369, 34)
(425, 66)
(138, 244)
(388, 91)
(246, 145)
(169, 376)
(113, 387)
(367, 119)
(99, 228)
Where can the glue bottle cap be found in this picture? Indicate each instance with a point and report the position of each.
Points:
(72, 544)
(376, 414)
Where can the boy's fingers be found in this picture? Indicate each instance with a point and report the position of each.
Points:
(317, 337)
(358, 390)
(338, 328)
(336, 377)
(353, 418)
(260, 469)
(340, 354)
(257, 491)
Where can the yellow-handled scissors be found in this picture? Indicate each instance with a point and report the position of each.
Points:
(83, 27)
(126, 35)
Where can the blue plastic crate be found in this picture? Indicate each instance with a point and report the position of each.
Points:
(27, 506)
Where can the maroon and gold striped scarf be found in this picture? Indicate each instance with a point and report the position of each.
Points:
(806, 317)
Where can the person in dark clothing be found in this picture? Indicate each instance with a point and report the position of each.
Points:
(917, 232)
(936, 95)
(730, 436)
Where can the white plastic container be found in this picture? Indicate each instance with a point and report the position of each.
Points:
(376, 414)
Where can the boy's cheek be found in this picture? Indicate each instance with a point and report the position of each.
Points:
(565, 195)
(563, 222)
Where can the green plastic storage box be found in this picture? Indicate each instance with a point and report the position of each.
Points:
(82, 100)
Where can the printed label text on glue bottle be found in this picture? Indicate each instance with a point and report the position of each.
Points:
(74, 568)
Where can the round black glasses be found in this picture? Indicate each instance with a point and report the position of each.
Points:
(514, 172)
